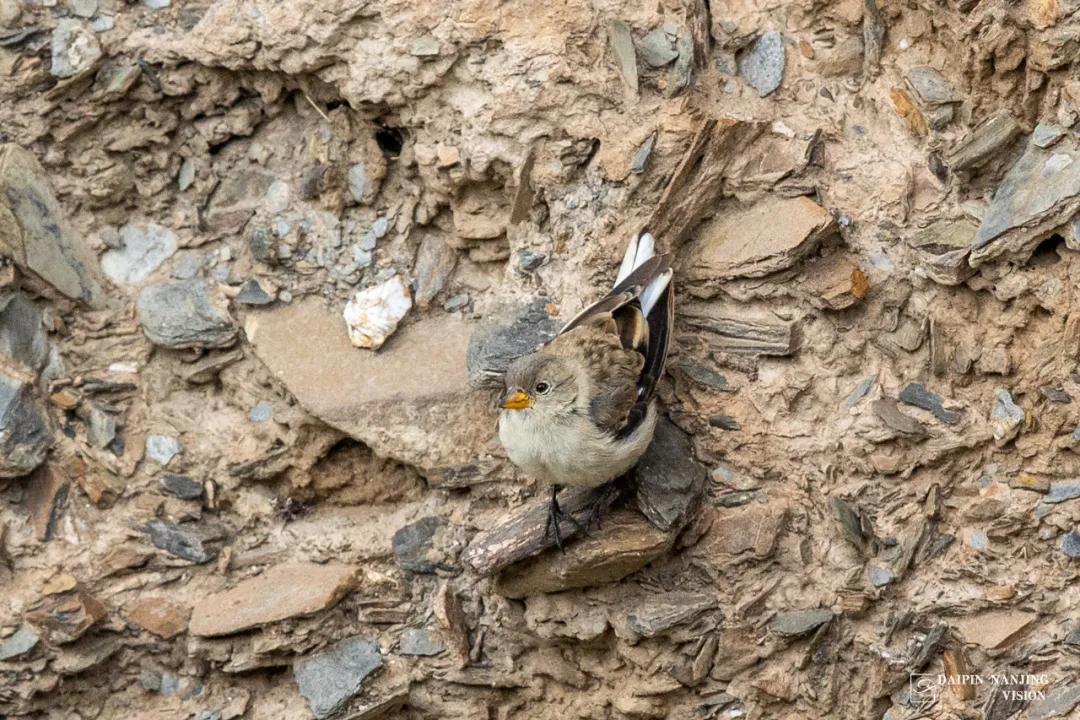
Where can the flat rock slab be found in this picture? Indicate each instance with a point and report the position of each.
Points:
(994, 629)
(23, 641)
(410, 400)
(332, 678)
(943, 249)
(770, 235)
(66, 617)
(421, 641)
(1058, 703)
(34, 232)
(930, 87)
(1039, 193)
(625, 543)
(414, 546)
(651, 619)
(917, 395)
(282, 592)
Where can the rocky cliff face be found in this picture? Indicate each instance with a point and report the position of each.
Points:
(217, 506)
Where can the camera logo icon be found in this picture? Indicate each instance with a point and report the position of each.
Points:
(922, 689)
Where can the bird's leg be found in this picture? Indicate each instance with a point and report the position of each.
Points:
(554, 512)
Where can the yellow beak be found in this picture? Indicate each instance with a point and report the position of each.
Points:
(516, 400)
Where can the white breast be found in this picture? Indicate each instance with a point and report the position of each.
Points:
(573, 453)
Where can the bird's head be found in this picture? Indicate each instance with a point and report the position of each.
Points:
(539, 382)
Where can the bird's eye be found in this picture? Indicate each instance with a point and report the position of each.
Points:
(542, 388)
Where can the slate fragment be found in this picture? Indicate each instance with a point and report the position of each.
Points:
(668, 480)
(1039, 194)
(197, 543)
(35, 233)
(800, 622)
(505, 334)
(622, 47)
(414, 545)
(331, 678)
(916, 395)
(181, 315)
(887, 411)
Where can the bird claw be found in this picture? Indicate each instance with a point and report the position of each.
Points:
(609, 493)
(552, 522)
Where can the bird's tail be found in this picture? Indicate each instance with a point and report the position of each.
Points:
(641, 249)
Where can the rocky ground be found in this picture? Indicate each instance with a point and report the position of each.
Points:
(220, 502)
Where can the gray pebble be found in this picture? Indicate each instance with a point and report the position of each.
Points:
(879, 576)
(418, 641)
(261, 412)
(1070, 544)
(187, 267)
(83, 8)
(456, 302)
(763, 65)
(251, 293)
(658, 49)
(380, 227)
(425, 46)
(1062, 490)
(187, 174)
(23, 641)
(529, 260)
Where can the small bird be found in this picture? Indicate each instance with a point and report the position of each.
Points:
(581, 411)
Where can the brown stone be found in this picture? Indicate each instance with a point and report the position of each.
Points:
(64, 399)
(164, 618)
(282, 592)
(64, 618)
(101, 486)
(625, 543)
(994, 629)
(751, 529)
(834, 282)
(235, 200)
(905, 108)
(46, 494)
(770, 235)
(451, 616)
(1029, 482)
(409, 401)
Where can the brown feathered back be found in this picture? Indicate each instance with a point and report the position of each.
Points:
(623, 350)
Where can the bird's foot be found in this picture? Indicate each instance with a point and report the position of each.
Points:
(608, 493)
(555, 513)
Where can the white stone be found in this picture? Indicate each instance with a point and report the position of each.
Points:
(373, 314)
(162, 448)
(277, 197)
(140, 253)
